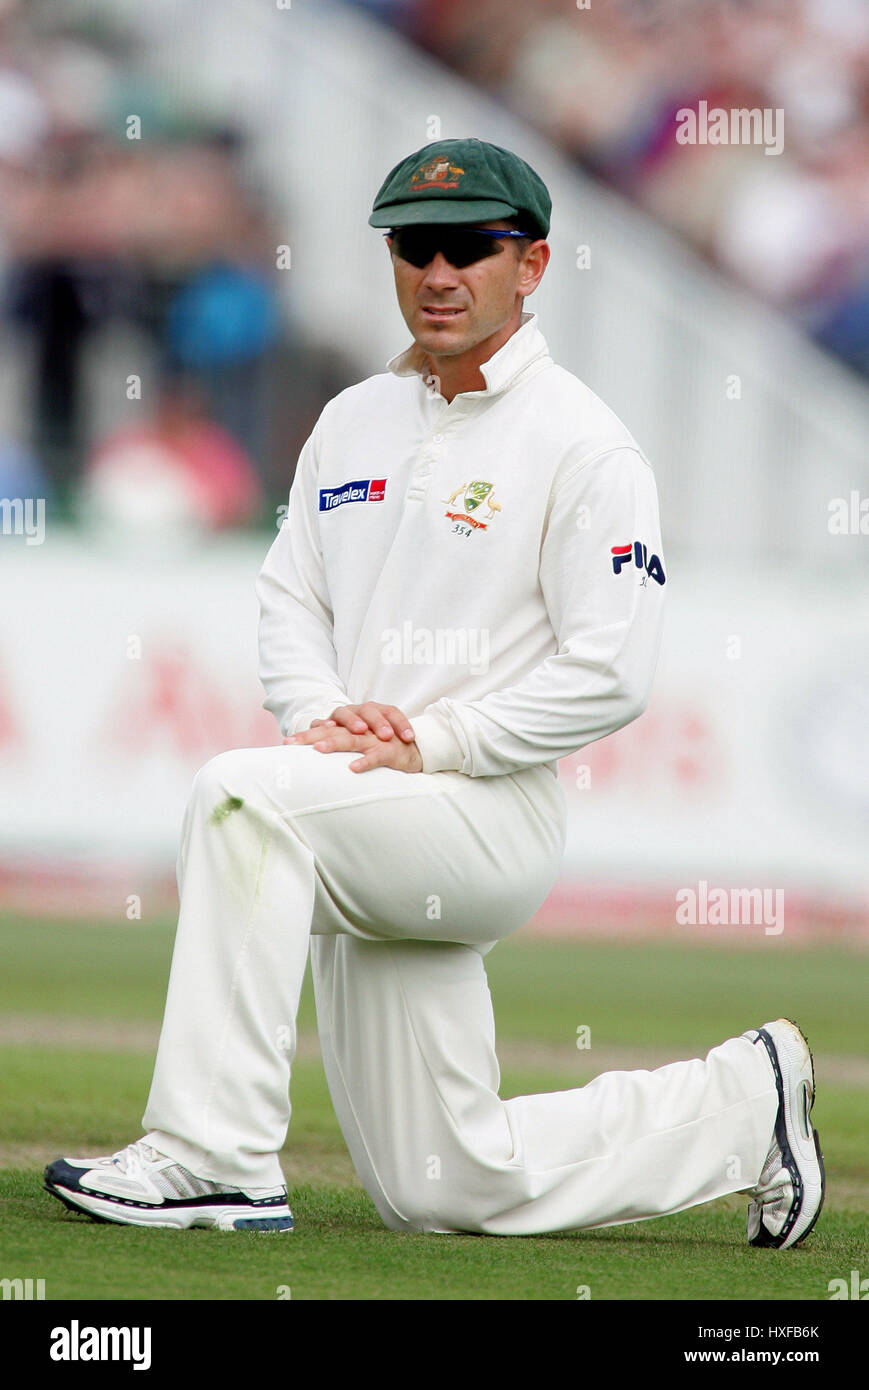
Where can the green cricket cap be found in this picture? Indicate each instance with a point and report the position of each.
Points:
(462, 181)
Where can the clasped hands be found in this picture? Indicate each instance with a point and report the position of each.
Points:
(381, 733)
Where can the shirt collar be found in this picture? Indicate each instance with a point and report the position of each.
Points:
(504, 367)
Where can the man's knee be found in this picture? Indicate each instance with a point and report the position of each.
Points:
(281, 778)
(225, 782)
(433, 1203)
(447, 1213)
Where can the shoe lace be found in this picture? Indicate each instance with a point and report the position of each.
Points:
(133, 1160)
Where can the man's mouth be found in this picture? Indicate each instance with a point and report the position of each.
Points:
(440, 313)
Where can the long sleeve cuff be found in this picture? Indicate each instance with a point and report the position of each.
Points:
(439, 748)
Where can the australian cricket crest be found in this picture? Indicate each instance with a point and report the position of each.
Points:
(437, 172)
(475, 495)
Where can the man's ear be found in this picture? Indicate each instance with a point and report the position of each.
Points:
(534, 263)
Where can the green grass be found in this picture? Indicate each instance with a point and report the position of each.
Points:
(653, 994)
(340, 1250)
(56, 1098)
(638, 993)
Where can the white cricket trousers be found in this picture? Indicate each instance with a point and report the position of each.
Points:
(404, 881)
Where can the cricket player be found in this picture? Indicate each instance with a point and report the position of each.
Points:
(468, 586)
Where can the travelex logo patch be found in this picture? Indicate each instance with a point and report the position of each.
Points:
(636, 551)
(366, 490)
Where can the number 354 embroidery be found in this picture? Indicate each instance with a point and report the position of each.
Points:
(473, 496)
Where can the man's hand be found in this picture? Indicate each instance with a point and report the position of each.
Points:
(371, 728)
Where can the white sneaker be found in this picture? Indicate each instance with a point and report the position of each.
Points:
(789, 1194)
(140, 1187)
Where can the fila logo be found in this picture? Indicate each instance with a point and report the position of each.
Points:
(636, 551)
(366, 490)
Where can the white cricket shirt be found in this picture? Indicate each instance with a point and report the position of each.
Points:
(491, 566)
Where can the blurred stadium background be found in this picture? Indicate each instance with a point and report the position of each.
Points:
(187, 275)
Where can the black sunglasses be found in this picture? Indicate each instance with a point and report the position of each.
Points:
(461, 246)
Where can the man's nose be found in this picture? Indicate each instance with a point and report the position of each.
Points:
(439, 271)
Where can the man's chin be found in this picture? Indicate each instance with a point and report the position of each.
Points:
(446, 340)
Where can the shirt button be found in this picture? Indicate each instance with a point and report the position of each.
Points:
(438, 438)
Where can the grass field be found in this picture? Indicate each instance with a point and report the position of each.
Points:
(79, 1014)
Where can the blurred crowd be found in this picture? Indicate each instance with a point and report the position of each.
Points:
(606, 79)
(151, 363)
(151, 370)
